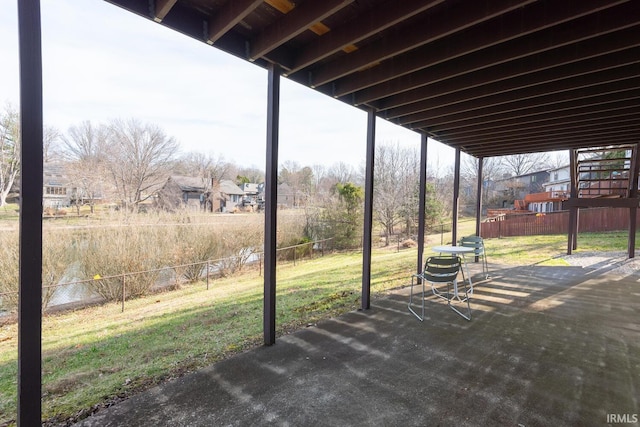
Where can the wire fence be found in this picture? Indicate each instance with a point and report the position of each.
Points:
(124, 286)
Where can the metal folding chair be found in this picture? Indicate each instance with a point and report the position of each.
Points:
(477, 243)
(440, 270)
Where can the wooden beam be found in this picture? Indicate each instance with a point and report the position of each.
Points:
(271, 205)
(368, 210)
(493, 95)
(162, 9)
(372, 22)
(293, 23)
(422, 201)
(509, 106)
(30, 270)
(434, 26)
(456, 198)
(460, 74)
(482, 46)
(229, 15)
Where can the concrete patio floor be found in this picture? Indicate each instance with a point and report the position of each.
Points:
(547, 346)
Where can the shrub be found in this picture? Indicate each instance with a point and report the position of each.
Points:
(55, 261)
(108, 253)
(192, 246)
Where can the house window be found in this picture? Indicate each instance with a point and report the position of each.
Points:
(533, 178)
(56, 191)
(555, 176)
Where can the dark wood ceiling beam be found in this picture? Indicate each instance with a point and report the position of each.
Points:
(607, 107)
(466, 73)
(562, 127)
(517, 39)
(553, 134)
(478, 99)
(229, 16)
(162, 9)
(549, 80)
(434, 26)
(293, 23)
(370, 23)
(627, 90)
(494, 150)
(546, 122)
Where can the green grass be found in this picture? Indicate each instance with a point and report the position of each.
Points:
(98, 354)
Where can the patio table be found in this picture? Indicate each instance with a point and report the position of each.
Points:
(457, 250)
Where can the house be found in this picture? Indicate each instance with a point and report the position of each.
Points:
(229, 196)
(253, 194)
(56, 191)
(509, 190)
(185, 192)
(556, 192)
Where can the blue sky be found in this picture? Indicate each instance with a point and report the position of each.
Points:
(101, 62)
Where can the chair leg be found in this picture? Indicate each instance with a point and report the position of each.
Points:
(466, 299)
(421, 318)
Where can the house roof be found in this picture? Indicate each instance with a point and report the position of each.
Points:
(489, 77)
(228, 187)
(189, 183)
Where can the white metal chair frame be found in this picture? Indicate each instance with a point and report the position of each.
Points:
(440, 270)
(477, 243)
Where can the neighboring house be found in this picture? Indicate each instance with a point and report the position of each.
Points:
(253, 194)
(515, 188)
(229, 196)
(56, 191)
(556, 192)
(185, 192)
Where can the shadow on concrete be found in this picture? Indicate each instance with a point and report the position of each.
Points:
(546, 346)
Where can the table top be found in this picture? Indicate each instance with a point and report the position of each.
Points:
(453, 249)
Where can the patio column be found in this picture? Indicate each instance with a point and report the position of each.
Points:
(368, 210)
(456, 198)
(422, 201)
(30, 282)
(573, 210)
(479, 199)
(271, 192)
(633, 194)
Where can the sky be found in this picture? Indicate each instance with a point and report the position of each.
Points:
(101, 62)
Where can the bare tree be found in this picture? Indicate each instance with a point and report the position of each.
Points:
(84, 149)
(9, 151)
(208, 166)
(395, 177)
(520, 164)
(492, 169)
(138, 159)
(300, 180)
(50, 140)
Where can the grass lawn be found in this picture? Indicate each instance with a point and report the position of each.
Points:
(99, 354)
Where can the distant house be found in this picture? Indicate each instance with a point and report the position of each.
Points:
(514, 188)
(56, 191)
(227, 196)
(253, 194)
(185, 192)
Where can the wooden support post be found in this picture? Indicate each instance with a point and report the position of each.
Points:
(479, 200)
(30, 270)
(573, 210)
(422, 200)
(271, 189)
(368, 210)
(456, 199)
(633, 194)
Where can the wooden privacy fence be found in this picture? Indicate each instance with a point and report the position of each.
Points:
(589, 220)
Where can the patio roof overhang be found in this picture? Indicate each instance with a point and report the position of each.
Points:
(492, 78)
(489, 78)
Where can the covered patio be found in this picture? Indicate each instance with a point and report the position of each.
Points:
(547, 346)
